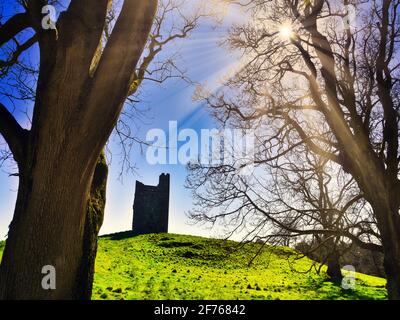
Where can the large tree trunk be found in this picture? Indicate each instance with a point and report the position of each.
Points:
(392, 267)
(334, 271)
(389, 227)
(93, 223)
(47, 228)
(81, 288)
(383, 197)
(331, 255)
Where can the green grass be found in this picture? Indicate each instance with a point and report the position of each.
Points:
(186, 267)
(168, 266)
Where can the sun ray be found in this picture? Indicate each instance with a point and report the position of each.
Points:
(286, 31)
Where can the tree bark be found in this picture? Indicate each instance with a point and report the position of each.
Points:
(331, 256)
(392, 267)
(47, 229)
(93, 223)
(334, 271)
(389, 227)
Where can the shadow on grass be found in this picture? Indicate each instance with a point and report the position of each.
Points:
(121, 235)
(359, 293)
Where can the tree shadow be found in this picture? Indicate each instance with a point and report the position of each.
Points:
(121, 235)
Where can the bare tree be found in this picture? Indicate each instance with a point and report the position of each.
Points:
(299, 198)
(317, 197)
(304, 64)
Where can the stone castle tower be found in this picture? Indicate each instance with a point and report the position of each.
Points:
(151, 207)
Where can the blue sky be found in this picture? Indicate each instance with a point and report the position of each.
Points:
(206, 62)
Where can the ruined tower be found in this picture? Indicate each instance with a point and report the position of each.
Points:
(151, 207)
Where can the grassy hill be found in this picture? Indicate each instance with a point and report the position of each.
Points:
(171, 266)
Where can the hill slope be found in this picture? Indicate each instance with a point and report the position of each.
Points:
(168, 266)
(186, 267)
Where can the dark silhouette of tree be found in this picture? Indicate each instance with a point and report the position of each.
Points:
(317, 197)
(76, 108)
(304, 65)
(300, 198)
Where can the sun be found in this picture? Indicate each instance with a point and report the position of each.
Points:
(286, 31)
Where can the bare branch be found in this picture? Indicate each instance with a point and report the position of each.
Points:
(13, 133)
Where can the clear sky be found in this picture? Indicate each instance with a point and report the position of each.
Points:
(206, 62)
